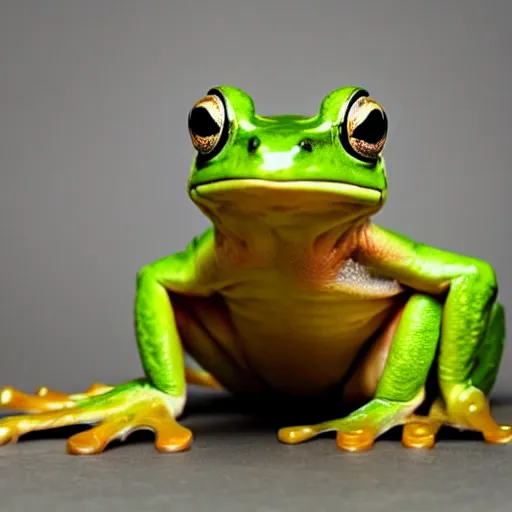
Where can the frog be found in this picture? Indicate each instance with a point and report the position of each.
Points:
(294, 290)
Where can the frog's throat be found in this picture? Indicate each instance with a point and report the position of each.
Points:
(306, 215)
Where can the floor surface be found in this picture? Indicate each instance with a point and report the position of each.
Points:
(236, 464)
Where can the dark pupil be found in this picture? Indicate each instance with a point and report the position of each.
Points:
(373, 128)
(202, 123)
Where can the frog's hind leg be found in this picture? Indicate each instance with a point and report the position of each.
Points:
(473, 407)
(490, 352)
(199, 377)
(208, 338)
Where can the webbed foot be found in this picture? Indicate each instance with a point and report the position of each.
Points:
(358, 431)
(467, 409)
(115, 411)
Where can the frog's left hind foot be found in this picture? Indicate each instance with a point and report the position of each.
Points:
(469, 410)
(466, 406)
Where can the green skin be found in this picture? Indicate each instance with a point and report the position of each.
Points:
(449, 312)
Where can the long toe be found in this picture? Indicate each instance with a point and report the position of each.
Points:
(15, 400)
(96, 439)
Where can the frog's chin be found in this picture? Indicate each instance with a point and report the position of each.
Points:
(258, 196)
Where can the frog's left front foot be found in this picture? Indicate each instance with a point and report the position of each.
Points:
(358, 431)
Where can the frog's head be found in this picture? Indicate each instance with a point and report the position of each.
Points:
(247, 163)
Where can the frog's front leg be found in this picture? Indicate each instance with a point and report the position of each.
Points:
(401, 387)
(151, 403)
(154, 402)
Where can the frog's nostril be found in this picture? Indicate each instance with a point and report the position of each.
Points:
(254, 144)
(306, 145)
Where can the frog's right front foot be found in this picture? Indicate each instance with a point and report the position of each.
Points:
(116, 412)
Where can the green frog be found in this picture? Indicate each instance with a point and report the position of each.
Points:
(295, 291)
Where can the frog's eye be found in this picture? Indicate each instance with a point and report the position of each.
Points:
(364, 130)
(208, 125)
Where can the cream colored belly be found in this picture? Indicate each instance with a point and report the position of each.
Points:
(304, 343)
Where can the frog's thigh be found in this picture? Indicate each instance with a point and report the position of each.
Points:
(470, 409)
(419, 328)
(490, 353)
(207, 335)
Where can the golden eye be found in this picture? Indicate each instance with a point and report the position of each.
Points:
(207, 124)
(365, 129)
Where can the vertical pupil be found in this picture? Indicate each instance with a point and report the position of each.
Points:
(373, 128)
(201, 123)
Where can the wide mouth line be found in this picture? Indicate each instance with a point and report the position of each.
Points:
(347, 190)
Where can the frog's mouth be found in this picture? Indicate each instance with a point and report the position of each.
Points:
(263, 195)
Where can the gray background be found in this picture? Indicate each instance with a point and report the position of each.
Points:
(94, 157)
